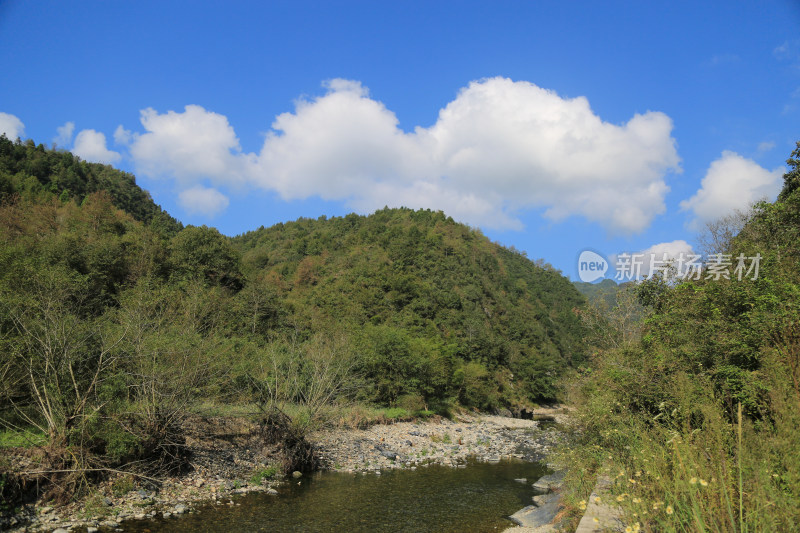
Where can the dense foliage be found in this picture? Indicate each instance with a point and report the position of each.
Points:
(33, 171)
(436, 310)
(697, 421)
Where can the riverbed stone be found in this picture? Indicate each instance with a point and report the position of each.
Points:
(538, 515)
(550, 482)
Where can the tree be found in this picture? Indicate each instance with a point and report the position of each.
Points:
(200, 251)
(63, 354)
(717, 235)
(791, 179)
(168, 353)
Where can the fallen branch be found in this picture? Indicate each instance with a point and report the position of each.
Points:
(77, 470)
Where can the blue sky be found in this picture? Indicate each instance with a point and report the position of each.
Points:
(552, 126)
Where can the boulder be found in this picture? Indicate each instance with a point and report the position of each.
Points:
(539, 515)
(550, 482)
(389, 454)
(503, 412)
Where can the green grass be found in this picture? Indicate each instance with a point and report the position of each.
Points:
(351, 415)
(10, 438)
(669, 474)
(264, 474)
(123, 485)
(393, 413)
(95, 507)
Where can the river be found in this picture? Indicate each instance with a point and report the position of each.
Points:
(474, 499)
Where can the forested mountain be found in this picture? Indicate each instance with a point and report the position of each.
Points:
(434, 305)
(605, 291)
(32, 170)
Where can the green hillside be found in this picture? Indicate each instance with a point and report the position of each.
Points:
(603, 292)
(32, 171)
(415, 287)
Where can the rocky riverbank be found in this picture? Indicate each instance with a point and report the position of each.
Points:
(440, 441)
(228, 460)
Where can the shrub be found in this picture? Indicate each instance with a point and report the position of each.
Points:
(259, 476)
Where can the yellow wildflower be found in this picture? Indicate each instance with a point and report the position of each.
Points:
(595, 519)
(638, 473)
(669, 509)
(704, 482)
(620, 498)
(629, 529)
(693, 481)
(636, 500)
(632, 481)
(597, 499)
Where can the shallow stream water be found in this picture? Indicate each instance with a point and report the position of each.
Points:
(478, 498)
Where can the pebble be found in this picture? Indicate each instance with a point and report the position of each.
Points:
(447, 442)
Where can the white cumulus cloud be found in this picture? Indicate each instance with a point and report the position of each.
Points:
(500, 147)
(64, 136)
(195, 144)
(90, 145)
(11, 126)
(732, 182)
(203, 201)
